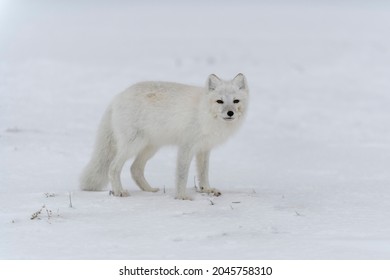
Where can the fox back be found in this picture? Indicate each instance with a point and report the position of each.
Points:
(176, 114)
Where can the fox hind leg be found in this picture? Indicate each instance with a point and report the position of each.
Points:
(115, 174)
(138, 167)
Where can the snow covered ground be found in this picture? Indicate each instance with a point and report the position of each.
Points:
(307, 177)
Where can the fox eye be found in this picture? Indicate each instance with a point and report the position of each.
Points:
(219, 101)
(236, 101)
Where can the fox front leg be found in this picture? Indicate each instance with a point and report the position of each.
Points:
(183, 165)
(202, 163)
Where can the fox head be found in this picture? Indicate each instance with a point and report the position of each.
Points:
(228, 99)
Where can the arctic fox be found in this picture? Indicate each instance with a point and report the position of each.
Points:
(149, 115)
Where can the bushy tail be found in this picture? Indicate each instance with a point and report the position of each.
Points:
(95, 175)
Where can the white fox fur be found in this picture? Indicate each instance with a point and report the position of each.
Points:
(149, 115)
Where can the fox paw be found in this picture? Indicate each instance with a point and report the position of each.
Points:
(122, 193)
(183, 197)
(212, 191)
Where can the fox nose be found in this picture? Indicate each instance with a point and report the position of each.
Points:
(230, 113)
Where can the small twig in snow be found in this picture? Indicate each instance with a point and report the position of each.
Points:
(36, 214)
(195, 186)
(49, 213)
(70, 200)
(298, 214)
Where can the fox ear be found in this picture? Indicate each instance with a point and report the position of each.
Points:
(240, 81)
(213, 81)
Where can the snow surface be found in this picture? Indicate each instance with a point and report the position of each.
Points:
(307, 176)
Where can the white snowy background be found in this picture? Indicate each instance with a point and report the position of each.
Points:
(307, 176)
